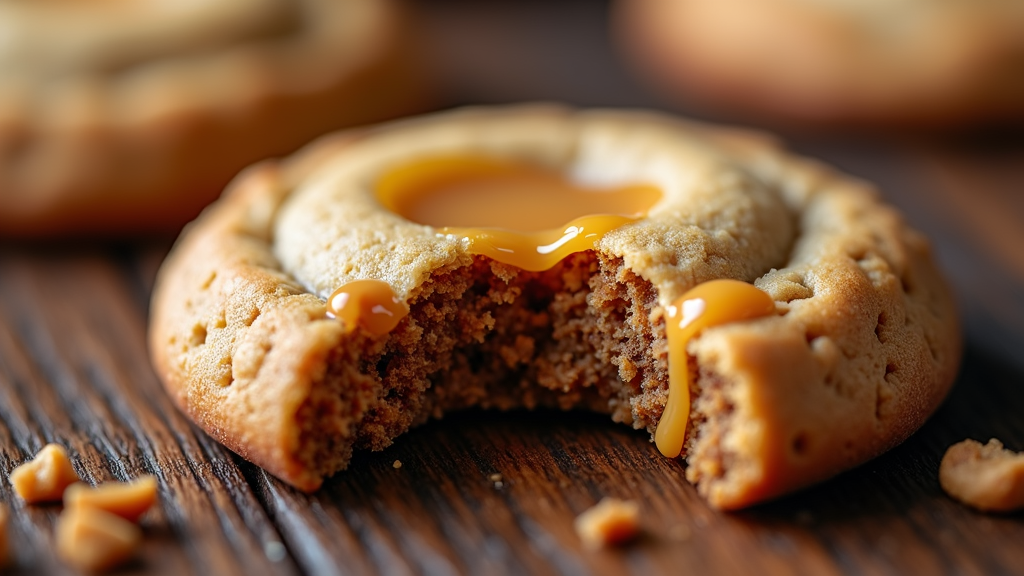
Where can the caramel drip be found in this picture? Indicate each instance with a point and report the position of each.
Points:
(517, 213)
(539, 251)
(531, 217)
(369, 304)
(708, 304)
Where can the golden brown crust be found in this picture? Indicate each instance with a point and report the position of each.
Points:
(869, 339)
(865, 347)
(892, 62)
(116, 118)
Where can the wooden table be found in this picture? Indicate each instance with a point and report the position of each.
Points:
(74, 370)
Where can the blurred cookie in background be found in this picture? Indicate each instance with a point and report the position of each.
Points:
(906, 63)
(120, 117)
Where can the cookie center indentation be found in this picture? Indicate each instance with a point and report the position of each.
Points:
(518, 213)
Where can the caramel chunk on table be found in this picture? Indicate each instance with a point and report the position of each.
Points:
(93, 540)
(610, 523)
(129, 501)
(989, 477)
(44, 478)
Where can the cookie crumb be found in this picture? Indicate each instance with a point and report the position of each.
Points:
(93, 540)
(397, 464)
(128, 500)
(989, 477)
(495, 477)
(44, 478)
(610, 523)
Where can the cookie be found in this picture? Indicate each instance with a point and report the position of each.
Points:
(898, 62)
(130, 117)
(835, 335)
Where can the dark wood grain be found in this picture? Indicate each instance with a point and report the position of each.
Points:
(74, 370)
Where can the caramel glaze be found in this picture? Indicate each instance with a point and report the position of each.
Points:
(517, 213)
(531, 217)
(488, 192)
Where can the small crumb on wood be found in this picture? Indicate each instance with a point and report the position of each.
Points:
(989, 477)
(97, 530)
(93, 540)
(495, 477)
(397, 464)
(611, 523)
(128, 500)
(44, 478)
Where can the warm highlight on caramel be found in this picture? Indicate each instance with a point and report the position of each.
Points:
(370, 304)
(487, 192)
(525, 215)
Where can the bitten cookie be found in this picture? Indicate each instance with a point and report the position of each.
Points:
(902, 62)
(851, 340)
(120, 117)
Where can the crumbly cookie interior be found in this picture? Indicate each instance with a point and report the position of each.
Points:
(585, 334)
(493, 336)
